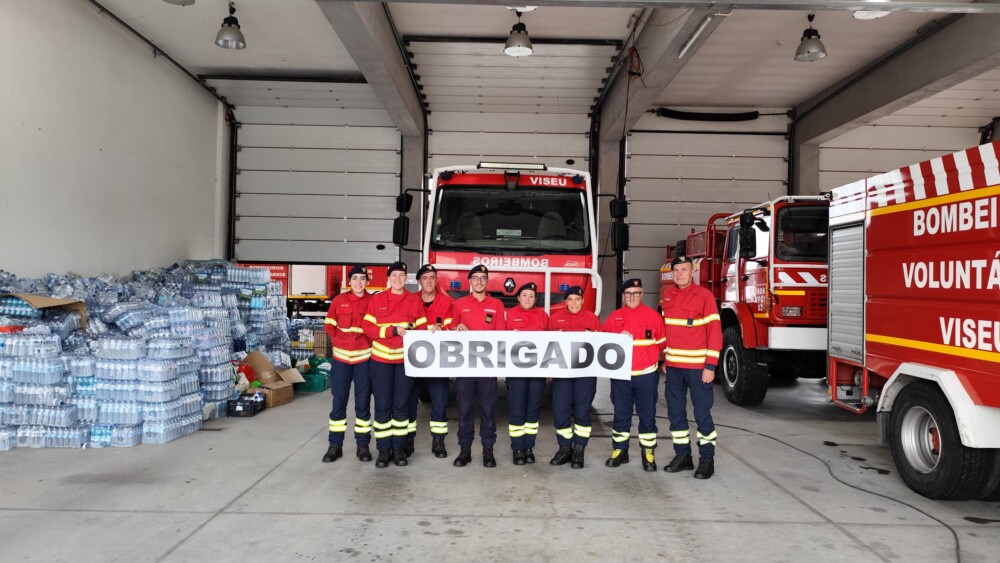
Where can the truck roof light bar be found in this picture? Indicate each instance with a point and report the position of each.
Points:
(511, 166)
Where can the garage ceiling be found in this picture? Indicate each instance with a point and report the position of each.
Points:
(746, 62)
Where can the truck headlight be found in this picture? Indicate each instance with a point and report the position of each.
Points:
(791, 311)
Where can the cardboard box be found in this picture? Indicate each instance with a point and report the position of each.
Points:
(41, 302)
(321, 343)
(276, 383)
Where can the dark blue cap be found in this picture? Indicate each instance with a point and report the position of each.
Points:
(357, 270)
(682, 259)
(394, 267)
(574, 290)
(478, 269)
(426, 268)
(529, 285)
(632, 282)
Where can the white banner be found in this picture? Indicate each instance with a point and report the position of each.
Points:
(487, 353)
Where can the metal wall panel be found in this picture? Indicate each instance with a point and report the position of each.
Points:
(316, 185)
(847, 296)
(676, 181)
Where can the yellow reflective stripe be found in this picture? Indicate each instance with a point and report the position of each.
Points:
(359, 422)
(412, 426)
(515, 431)
(371, 318)
(382, 430)
(565, 432)
(531, 428)
(330, 321)
(643, 342)
(644, 371)
(434, 423)
(352, 360)
(399, 427)
(379, 347)
(381, 331)
(386, 356)
(439, 427)
(338, 425)
(647, 439)
(420, 322)
(582, 431)
(671, 321)
(685, 359)
(661, 340)
(681, 436)
(353, 329)
(352, 353)
(619, 436)
(709, 439)
(712, 354)
(683, 352)
(446, 322)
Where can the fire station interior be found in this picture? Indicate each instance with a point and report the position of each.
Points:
(684, 108)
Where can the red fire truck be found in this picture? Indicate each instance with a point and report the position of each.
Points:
(526, 223)
(771, 289)
(914, 317)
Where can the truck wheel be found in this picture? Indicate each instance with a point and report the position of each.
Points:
(743, 379)
(991, 491)
(928, 451)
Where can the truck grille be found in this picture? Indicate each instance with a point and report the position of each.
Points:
(816, 305)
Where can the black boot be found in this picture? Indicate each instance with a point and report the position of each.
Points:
(577, 456)
(364, 454)
(437, 446)
(408, 448)
(464, 457)
(648, 460)
(488, 459)
(399, 457)
(706, 468)
(529, 456)
(562, 456)
(384, 457)
(618, 457)
(679, 463)
(519, 457)
(333, 453)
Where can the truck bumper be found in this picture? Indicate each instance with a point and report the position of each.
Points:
(796, 338)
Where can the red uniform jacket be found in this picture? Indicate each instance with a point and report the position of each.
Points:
(694, 332)
(343, 324)
(386, 312)
(584, 321)
(479, 315)
(532, 319)
(646, 328)
(439, 311)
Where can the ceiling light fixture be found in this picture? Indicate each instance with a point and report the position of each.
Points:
(810, 47)
(230, 36)
(872, 14)
(518, 44)
(180, 2)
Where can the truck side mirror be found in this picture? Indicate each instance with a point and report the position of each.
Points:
(404, 202)
(401, 230)
(619, 208)
(748, 241)
(619, 236)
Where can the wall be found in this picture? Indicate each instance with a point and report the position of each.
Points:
(874, 149)
(109, 157)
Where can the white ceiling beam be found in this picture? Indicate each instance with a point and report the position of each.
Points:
(962, 50)
(366, 32)
(801, 5)
(660, 44)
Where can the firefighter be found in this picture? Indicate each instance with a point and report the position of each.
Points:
(437, 309)
(693, 341)
(524, 394)
(390, 314)
(351, 353)
(477, 311)
(645, 327)
(572, 397)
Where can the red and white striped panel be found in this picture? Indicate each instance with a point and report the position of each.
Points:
(978, 167)
(785, 277)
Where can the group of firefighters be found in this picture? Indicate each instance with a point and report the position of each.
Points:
(367, 334)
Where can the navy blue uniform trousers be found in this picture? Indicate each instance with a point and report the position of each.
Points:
(392, 391)
(679, 381)
(342, 375)
(524, 400)
(639, 393)
(476, 394)
(571, 403)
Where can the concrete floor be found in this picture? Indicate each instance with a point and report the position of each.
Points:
(255, 489)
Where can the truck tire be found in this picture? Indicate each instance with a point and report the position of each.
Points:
(991, 491)
(743, 379)
(928, 451)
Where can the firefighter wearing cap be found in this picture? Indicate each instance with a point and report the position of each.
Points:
(477, 311)
(351, 353)
(524, 394)
(390, 314)
(572, 397)
(437, 309)
(645, 327)
(693, 338)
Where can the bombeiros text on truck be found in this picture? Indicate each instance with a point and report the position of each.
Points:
(525, 222)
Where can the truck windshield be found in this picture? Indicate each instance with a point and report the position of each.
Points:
(801, 235)
(493, 220)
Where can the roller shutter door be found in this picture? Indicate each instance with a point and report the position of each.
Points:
(316, 185)
(847, 296)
